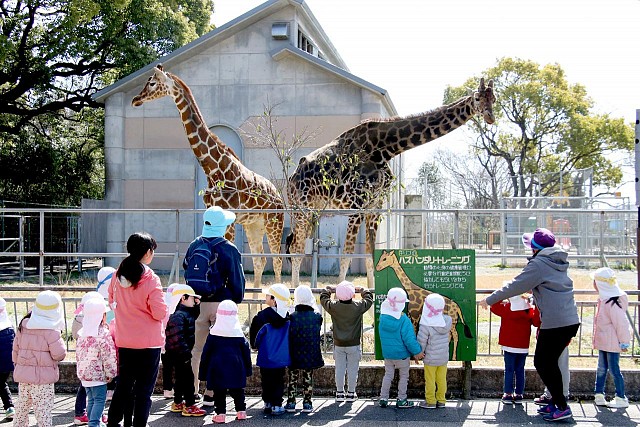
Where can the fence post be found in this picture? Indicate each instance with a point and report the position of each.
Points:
(503, 235)
(602, 259)
(314, 254)
(41, 251)
(21, 245)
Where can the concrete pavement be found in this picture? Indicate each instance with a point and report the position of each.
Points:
(364, 412)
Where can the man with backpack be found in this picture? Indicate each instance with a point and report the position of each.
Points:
(213, 268)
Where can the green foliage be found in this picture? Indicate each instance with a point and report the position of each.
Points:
(545, 125)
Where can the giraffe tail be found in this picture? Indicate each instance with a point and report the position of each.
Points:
(287, 246)
(467, 329)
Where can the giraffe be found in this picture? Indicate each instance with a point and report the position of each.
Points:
(231, 184)
(417, 295)
(352, 171)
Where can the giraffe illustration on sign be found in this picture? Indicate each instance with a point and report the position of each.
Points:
(231, 184)
(352, 171)
(417, 295)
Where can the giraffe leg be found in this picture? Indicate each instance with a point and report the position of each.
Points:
(371, 224)
(454, 338)
(275, 225)
(301, 231)
(255, 231)
(349, 244)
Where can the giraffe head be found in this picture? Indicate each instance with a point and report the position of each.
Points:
(387, 259)
(158, 85)
(483, 101)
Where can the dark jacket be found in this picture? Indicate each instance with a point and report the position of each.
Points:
(229, 265)
(346, 317)
(304, 338)
(6, 345)
(270, 355)
(181, 331)
(225, 362)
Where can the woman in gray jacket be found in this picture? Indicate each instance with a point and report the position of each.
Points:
(546, 276)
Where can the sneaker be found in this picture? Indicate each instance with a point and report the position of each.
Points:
(441, 405)
(9, 413)
(241, 415)
(193, 411)
(507, 399)
(290, 407)
(339, 396)
(558, 415)
(425, 405)
(176, 407)
(383, 403)
(197, 398)
(351, 396)
(105, 418)
(109, 395)
(307, 407)
(618, 402)
(543, 400)
(277, 410)
(81, 420)
(207, 400)
(517, 399)
(168, 394)
(219, 419)
(266, 409)
(403, 404)
(546, 410)
(600, 400)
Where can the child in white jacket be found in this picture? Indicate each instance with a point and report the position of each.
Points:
(433, 337)
(96, 357)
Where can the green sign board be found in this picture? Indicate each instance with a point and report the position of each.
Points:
(450, 273)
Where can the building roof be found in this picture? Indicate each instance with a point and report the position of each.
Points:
(333, 63)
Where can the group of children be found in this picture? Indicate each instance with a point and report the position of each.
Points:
(287, 338)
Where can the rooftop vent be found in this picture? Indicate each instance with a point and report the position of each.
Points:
(280, 30)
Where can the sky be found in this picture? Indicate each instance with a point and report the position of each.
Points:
(416, 48)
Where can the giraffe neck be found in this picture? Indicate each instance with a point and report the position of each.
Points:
(395, 136)
(210, 151)
(402, 276)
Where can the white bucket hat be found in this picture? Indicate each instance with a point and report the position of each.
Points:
(174, 294)
(281, 293)
(519, 303)
(394, 304)
(304, 296)
(432, 311)
(227, 323)
(4, 316)
(606, 283)
(86, 297)
(93, 313)
(47, 312)
(105, 274)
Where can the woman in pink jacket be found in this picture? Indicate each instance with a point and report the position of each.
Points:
(610, 335)
(37, 349)
(137, 299)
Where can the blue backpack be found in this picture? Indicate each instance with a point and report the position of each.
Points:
(273, 346)
(201, 272)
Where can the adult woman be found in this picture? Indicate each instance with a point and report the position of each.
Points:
(546, 276)
(138, 301)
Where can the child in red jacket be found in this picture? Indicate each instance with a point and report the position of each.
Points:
(515, 332)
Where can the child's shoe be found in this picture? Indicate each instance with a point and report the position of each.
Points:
(307, 407)
(600, 400)
(507, 399)
(425, 405)
(383, 403)
(543, 400)
(277, 410)
(176, 407)
(404, 403)
(193, 411)
(290, 407)
(266, 409)
(441, 405)
(339, 396)
(168, 394)
(517, 399)
(558, 415)
(207, 400)
(241, 415)
(105, 418)
(352, 396)
(549, 409)
(81, 420)
(9, 413)
(618, 402)
(219, 419)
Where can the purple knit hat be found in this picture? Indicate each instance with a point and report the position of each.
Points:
(540, 239)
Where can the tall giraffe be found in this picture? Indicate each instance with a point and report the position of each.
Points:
(352, 171)
(231, 184)
(417, 296)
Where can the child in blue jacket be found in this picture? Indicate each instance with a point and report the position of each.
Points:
(399, 344)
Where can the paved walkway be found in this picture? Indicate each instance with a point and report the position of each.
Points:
(479, 412)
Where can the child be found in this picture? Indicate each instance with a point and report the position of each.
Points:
(226, 362)
(304, 345)
(399, 344)
(96, 357)
(269, 335)
(167, 364)
(346, 317)
(515, 332)
(37, 349)
(180, 333)
(433, 336)
(610, 335)
(7, 334)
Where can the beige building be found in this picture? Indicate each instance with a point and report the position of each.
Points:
(275, 54)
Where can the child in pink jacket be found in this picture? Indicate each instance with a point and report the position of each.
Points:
(96, 357)
(610, 335)
(37, 349)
